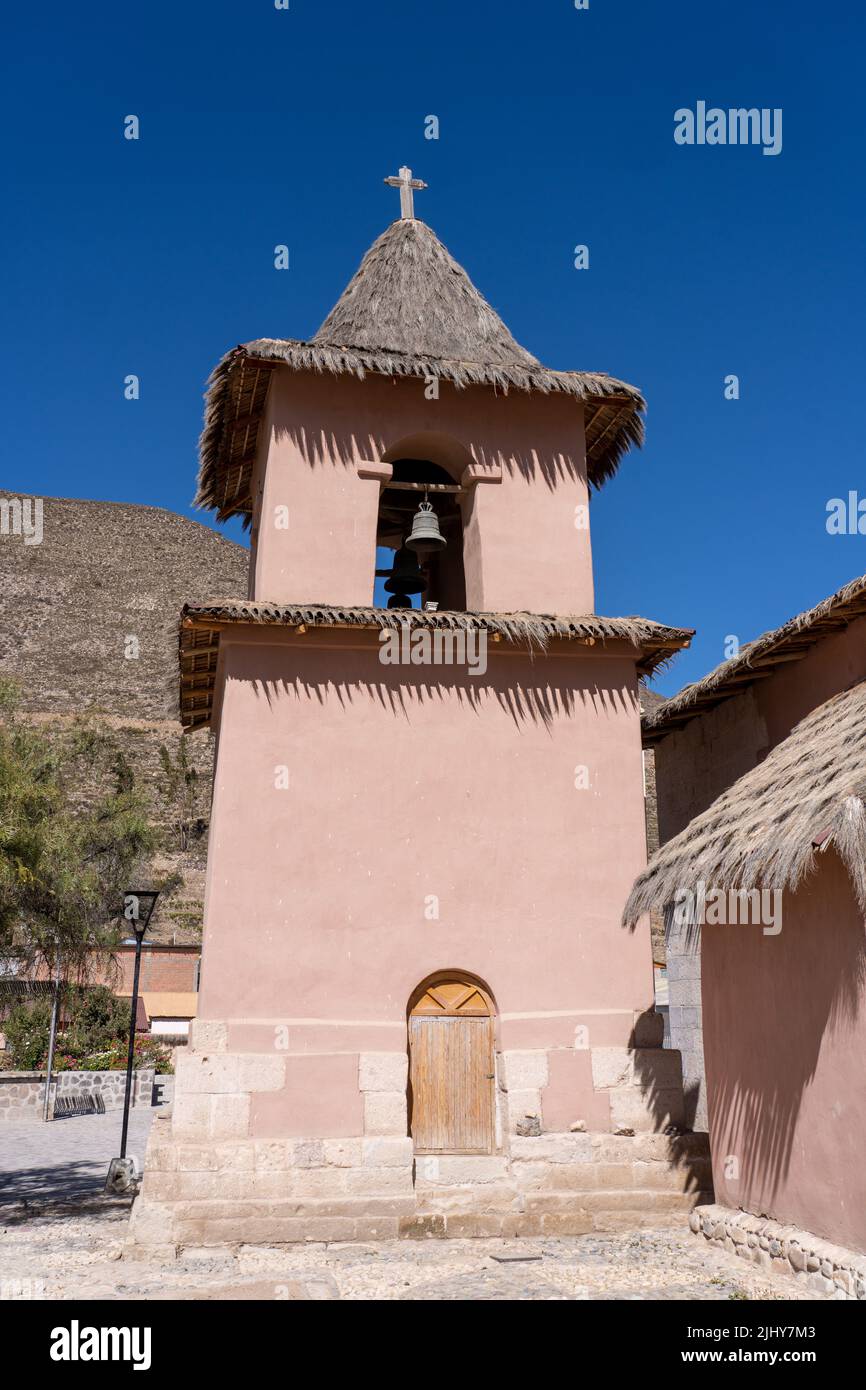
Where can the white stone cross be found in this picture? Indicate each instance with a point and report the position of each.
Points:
(405, 182)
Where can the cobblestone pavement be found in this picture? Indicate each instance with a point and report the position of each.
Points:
(67, 1157)
(80, 1255)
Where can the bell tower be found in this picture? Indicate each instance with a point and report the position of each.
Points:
(418, 1011)
(413, 377)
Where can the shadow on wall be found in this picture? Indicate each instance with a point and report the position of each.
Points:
(658, 1072)
(540, 703)
(322, 447)
(783, 1042)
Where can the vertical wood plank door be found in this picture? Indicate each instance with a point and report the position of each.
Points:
(451, 1072)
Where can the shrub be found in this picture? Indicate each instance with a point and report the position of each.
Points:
(26, 1028)
(96, 1019)
(95, 1035)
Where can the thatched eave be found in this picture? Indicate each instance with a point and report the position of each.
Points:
(758, 659)
(769, 827)
(201, 625)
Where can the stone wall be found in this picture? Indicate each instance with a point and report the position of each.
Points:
(686, 1020)
(817, 1264)
(22, 1093)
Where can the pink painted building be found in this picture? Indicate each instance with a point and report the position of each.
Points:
(417, 1012)
(761, 782)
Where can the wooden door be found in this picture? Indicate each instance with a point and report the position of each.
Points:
(451, 1070)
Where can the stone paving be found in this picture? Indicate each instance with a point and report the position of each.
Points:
(80, 1255)
(67, 1157)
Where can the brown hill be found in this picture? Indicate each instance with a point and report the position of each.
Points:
(88, 624)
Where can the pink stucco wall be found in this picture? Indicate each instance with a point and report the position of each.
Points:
(695, 764)
(522, 549)
(784, 1042)
(783, 1025)
(407, 784)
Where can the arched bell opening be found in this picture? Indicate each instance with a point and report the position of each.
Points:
(452, 1069)
(420, 530)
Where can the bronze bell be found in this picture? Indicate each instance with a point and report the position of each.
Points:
(425, 536)
(406, 576)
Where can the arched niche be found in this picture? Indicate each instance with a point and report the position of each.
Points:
(439, 462)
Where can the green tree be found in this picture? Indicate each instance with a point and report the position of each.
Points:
(73, 830)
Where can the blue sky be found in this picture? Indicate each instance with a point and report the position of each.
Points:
(261, 126)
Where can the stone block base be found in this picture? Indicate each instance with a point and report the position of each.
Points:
(832, 1270)
(244, 1191)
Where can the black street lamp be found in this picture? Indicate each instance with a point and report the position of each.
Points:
(137, 911)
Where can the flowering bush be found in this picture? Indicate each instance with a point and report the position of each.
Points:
(147, 1052)
(94, 1036)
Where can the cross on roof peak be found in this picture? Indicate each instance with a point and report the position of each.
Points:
(406, 184)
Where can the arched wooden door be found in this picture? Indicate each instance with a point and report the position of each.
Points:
(451, 1074)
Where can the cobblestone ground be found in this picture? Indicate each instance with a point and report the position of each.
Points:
(60, 1239)
(67, 1157)
(58, 1255)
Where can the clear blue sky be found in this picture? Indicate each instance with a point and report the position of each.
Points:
(260, 126)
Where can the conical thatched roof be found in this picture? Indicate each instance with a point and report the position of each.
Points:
(409, 310)
(409, 295)
(768, 828)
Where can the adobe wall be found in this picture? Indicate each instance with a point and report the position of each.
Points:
(430, 822)
(695, 764)
(784, 1042)
(522, 549)
(373, 761)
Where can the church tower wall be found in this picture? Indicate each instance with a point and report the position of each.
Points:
(526, 543)
(419, 1014)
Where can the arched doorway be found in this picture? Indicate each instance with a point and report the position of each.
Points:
(451, 1067)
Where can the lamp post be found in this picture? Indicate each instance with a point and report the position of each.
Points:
(137, 911)
(52, 1038)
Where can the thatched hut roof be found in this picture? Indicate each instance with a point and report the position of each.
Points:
(758, 659)
(768, 828)
(201, 625)
(409, 310)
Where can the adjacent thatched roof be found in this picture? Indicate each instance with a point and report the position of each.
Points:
(768, 827)
(758, 659)
(201, 625)
(410, 310)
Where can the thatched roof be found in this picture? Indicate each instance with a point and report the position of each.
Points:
(409, 310)
(201, 625)
(767, 829)
(758, 659)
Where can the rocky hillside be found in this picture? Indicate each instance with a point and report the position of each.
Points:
(88, 624)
